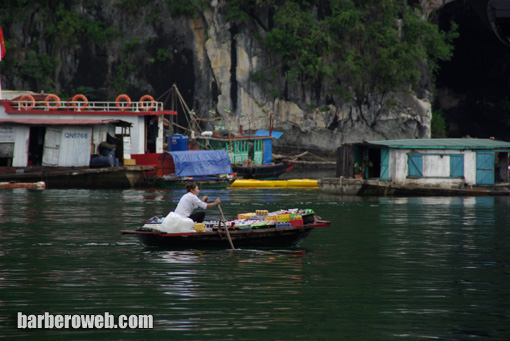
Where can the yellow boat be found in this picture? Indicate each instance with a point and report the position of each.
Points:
(292, 183)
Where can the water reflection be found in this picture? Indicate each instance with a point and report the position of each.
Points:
(228, 280)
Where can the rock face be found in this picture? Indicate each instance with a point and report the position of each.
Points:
(213, 64)
(232, 56)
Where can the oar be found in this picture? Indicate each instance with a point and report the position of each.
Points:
(226, 228)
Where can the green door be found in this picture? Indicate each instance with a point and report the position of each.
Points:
(385, 161)
(485, 168)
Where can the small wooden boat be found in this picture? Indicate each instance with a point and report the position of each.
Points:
(26, 185)
(264, 237)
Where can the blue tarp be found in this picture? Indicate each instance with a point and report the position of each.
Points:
(203, 162)
(275, 134)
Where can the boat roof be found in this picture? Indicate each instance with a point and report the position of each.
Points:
(8, 95)
(12, 102)
(448, 143)
(234, 138)
(201, 162)
(47, 122)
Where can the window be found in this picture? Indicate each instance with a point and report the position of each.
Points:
(421, 165)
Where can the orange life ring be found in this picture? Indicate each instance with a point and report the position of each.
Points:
(27, 102)
(79, 97)
(121, 105)
(150, 106)
(51, 98)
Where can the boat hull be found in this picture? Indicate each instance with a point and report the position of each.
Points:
(268, 237)
(260, 172)
(108, 177)
(349, 186)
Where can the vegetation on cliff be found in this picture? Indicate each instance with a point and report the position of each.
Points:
(357, 46)
(354, 47)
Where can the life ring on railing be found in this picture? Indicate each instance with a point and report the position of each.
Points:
(75, 102)
(52, 98)
(120, 105)
(150, 106)
(27, 102)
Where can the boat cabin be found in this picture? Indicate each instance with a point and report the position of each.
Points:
(257, 149)
(441, 162)
(56, 142)
(145, 116)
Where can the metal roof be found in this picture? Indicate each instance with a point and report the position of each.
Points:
(466, 143)
(78, 122)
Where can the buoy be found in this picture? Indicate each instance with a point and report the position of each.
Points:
(76, 103)
(52, 98)
(147, 103)
(27, 102)
(123, 105)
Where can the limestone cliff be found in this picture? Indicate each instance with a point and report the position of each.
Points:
(145, 49)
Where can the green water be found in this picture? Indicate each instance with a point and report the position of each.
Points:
(386, 269)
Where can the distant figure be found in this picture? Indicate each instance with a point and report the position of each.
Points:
(190, 201)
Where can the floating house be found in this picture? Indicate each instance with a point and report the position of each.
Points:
(432, 165)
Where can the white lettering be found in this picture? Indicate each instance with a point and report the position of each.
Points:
(59, 321)
(22, 320)
(105, 321)
(122, 321)
(49, 320)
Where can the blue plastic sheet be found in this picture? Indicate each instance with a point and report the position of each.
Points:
(275, 134)
(203, 162)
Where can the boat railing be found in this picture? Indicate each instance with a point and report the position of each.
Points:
(81, 106)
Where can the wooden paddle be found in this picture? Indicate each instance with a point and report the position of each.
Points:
(226, 228)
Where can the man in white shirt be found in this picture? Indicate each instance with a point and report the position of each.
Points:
(190, 201)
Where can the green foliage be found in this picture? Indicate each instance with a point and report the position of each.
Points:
(87, 91)
(120, 81)
(36, 66)
(186, 8)
(69, 29)
(131, 45)
(163, 55)
(438, 124)
(365, 46)
(240, 10)
(133, 5)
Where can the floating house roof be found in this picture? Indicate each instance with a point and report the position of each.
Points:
(466, 143)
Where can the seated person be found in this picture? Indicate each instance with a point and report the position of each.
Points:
(190, 201)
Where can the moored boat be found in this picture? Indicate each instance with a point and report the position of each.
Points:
(250, 155)
(207, 168)
(121, 177)
(77, 143)
(25, 185)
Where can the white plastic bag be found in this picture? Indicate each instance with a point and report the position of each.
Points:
(174, 223)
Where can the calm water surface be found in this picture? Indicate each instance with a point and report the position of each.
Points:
(386, 269)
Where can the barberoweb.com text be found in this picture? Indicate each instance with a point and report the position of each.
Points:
(77, 321)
